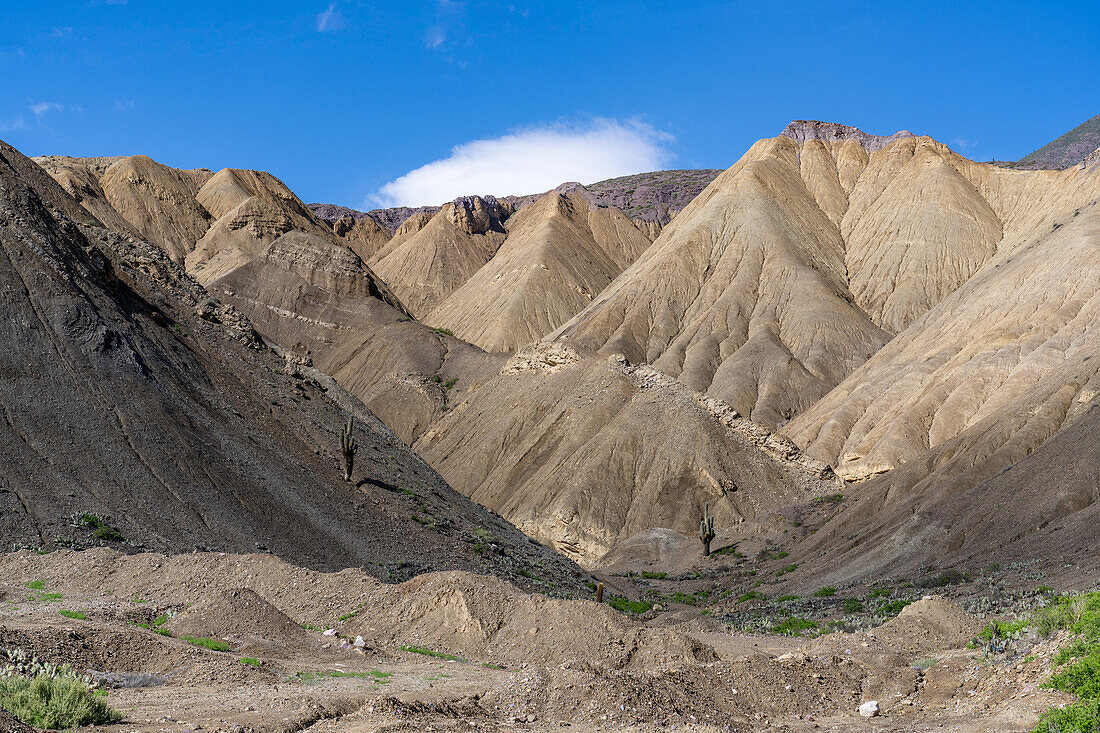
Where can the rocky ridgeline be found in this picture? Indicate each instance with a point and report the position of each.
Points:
(778, 447)
(802, 130)
(649, 199)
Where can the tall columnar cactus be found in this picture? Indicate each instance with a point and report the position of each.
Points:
(706, 529)
(348, 447)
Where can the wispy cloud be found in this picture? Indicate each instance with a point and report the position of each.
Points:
(963, 144)
(16, 124)
(61, 32)
(531, 160)
(41, 108)
(449, 17)
(330, 20)
(121, 105)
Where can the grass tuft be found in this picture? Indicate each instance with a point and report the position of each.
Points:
(214, 645)
(432, 653)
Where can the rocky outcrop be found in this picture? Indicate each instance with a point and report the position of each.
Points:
(363, 234)
(802, 131)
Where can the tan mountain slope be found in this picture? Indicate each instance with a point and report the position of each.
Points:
(560, 253)
(158, 201)
(424, 265)
(253, 209)
(80, 179)
(743, 295)
(915, 230)
(582, 451)
(316, 298)
(212, 222)
(362, 234)
(1015, 345)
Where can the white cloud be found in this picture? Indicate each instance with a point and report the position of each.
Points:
(41, 108)
(17, 124)
(61, 32)
(530, 161)
(330, 20)
(121, 105)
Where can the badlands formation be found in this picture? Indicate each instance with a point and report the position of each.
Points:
(869, 360)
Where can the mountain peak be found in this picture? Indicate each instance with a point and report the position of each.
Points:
(802, 130)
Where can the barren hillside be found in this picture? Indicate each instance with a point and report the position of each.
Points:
(143, 413)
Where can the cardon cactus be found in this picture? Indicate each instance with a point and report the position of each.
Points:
(348, 447)
(706, 529)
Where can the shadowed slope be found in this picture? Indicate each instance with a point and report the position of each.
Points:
(127, 395)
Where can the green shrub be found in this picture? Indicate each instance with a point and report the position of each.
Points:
(1079, 717)
(752, 595)
(1081, 674)
(214, 645)
(1002, 628)
(825, 592)
(788, 569)
(852, 605)
(101, 530)
(36, 584)
(794, 626)
(251, 661)
(432, 653)
(947, 577)
(54, 703)
(619, 603)
(894, 607)
(1082, 678)
(880, 593)
(79, 615)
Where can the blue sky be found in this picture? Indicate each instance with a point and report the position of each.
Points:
(349, 101)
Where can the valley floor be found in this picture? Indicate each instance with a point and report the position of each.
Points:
(461, 652)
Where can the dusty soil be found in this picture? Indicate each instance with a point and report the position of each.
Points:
(507, 660)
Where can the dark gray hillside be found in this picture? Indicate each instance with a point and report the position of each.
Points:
(128, 393)
(1066, 150)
